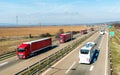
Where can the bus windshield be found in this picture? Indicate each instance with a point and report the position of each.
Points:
(84, 51)
(21, 49)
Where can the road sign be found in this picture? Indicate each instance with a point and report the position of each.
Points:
(112, 33)
(109, 26)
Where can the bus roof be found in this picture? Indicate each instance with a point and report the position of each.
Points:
(90, 42)
(86, 47)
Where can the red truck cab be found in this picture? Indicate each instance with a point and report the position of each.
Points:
(91, 29)
(27, 49)
(65, 37)
(23, 51)
(84, 31)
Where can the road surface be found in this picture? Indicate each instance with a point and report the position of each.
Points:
(69, 64)
(13, 65)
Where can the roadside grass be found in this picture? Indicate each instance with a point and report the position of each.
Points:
(115, 48)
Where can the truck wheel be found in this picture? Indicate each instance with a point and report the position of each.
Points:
(27, 57)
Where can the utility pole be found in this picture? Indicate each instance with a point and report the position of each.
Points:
(16, 29)
(16, 25)
(71, 32)
(16, 20)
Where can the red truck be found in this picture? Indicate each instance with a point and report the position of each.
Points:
(91, 29)
(27, 49)
(65, 37)
(84, 31)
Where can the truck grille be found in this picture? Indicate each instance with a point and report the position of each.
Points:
(20, 56)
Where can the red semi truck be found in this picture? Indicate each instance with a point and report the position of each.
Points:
(83, 31)
(26, 49)
(91, 29)
(65, 37)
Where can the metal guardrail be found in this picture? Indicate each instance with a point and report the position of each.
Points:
(110, 63)
(110, 59)
(46, 63)
(7, 55)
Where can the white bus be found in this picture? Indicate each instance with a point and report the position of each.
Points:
(90, 44)
(102, 32)
(86, 53)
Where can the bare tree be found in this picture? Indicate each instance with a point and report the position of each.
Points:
(116, 25)
(60, 31)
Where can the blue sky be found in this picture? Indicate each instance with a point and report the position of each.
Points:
(59, 11)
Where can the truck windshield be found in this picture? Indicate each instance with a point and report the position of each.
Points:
(61, 37)
(84, 51)
(21, 49)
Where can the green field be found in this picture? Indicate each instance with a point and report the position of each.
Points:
(115, 48)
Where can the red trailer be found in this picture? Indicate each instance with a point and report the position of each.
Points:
(91, 29)
(28, 48)
(65, 37)
(83, 31)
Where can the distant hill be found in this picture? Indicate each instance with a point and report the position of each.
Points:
(112, 22)
(6, 25)
(14, 25)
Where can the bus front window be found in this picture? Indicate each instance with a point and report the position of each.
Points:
(84, 51)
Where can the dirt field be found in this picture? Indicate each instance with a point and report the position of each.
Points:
(10, 45)
(24, 31)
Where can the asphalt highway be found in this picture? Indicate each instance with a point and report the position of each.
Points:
(13, 65)
(69, 65)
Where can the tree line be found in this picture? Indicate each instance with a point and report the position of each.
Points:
(116, 25)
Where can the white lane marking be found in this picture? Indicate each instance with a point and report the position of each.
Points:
(2, 64)
(16, 58)
(101, 43)
(26, 60)
(96, 38)
(106, 56)
(59, 61)
(70, 67)
(91, 68)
